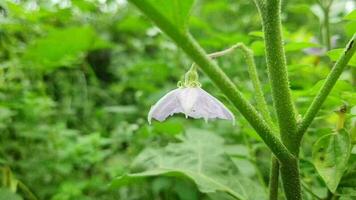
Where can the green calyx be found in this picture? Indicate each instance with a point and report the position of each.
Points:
(191, 78)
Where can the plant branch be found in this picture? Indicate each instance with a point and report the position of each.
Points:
(273, 179)
(260, 5)
(283, 104)
(252, 70)
(185, 41)
(328, 85)
(26, 190)
(263, 108)
(277, 71)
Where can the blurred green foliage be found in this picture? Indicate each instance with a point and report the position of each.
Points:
(78, 77)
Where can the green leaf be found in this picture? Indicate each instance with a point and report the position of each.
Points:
(297, 46)
(351, 16)
(62, 48)
(258, 34)
(350, 28)
(258, 48)
(175, 11)
(6, 194)
(330, 156)
(335, 54)
(200, 156)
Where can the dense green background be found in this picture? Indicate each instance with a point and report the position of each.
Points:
(77, 79)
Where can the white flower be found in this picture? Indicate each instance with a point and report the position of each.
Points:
(191, 101)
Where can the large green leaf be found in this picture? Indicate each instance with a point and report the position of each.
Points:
(62, 47)
(330, 157)
(200, 156)
(175, 11)
(335, 54)
(351, 16)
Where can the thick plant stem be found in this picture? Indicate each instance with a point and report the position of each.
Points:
(277, 71)
(291, 180)
(273, 179)
(199, 56)
(329, 83)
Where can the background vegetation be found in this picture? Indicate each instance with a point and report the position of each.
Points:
(77, 79)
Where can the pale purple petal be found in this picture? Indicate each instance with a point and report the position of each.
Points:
(316, 51)
(208, 107)
(166, 106)
(193, 102)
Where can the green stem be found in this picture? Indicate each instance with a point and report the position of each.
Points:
(327, 28)
(270, 11)
(277, 71)
(327, 87)
(199, 56)
(273, 179)
(326, 11)
(291, 180)
(26, 190)
(252, 70)
(263, 108)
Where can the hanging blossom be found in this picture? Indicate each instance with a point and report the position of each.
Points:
(191, 100)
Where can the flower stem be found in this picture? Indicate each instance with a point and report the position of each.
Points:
(328, 85)
(263, 108)
(185, 41)
(252, 70)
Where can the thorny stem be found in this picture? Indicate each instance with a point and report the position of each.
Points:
(270, 11)
(328, 85)
(273, 179)
(277, 71)
(199, 56)
(252, 70)
(263, 108)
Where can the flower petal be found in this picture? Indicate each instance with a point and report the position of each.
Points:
(208, 107)
(166, 106)
(187, 98)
